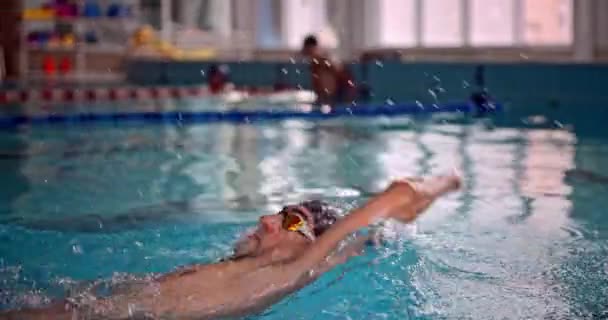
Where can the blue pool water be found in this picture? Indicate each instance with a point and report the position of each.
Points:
(527, 237)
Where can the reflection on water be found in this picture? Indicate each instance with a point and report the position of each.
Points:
(525, 237)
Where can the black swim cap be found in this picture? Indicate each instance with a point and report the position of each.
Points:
(323, 214)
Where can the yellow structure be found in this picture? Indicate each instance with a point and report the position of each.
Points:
(145, 39)
(38, 14)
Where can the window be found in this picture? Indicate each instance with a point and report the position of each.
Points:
(396, 23)
(442, 23)
(376, 23)
(548, 22)
(492, 22)
(269, 24)
(301, 18)
(207, 15)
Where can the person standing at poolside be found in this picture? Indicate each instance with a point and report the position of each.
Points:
(331, 80)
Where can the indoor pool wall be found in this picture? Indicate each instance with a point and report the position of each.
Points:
(558, 91)
(520, 84)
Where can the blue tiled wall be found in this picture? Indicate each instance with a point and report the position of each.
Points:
(527, 85)
(241, 73)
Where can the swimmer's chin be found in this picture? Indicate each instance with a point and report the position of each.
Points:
(246, 246)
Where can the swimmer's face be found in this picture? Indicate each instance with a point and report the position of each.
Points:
(271, 233)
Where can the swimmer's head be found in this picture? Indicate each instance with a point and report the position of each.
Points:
(288, 230)
(310, 45)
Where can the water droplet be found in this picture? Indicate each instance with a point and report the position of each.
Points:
(76, 249)
(524, 56)
(390, 102)
(419, 104)
(379, 63)
(326, 108)
(298, 71)
(292, 60)
(139, 244)
(465, 84)
(203, 73)
(284, 70)
(558, 124)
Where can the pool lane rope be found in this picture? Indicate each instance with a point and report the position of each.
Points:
(247, 116)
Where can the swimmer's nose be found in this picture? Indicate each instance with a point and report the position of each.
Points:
(270, 224)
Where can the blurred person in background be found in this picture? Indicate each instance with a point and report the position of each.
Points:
(331, 80)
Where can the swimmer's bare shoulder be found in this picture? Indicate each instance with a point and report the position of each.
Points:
(244, 287)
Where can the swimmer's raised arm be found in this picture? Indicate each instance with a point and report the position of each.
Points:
(402, 200)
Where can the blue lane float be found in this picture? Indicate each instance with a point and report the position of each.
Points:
(247, 116)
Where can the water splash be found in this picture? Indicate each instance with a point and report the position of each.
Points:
(77, 249)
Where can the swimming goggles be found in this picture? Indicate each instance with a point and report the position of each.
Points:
(294, 220)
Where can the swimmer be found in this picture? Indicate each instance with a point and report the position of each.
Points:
(287, 251)
(331, 81)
